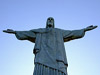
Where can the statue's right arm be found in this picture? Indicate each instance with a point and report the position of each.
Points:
(23, 35)
(9, 31)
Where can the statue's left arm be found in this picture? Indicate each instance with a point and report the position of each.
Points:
(76, 34)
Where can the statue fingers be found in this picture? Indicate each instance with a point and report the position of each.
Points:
(9, 30)
(5, 31)
(95, 27)
(91, 26)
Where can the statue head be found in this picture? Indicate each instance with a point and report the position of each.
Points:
(50, 23)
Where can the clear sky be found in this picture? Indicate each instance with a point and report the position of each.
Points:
(16, 57)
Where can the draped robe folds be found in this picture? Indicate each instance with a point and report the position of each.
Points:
(49, 47)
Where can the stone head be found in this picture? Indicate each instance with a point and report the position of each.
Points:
(50, 23)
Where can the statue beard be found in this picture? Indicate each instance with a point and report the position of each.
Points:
(50, 25)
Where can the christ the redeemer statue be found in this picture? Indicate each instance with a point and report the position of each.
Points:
(49, 50)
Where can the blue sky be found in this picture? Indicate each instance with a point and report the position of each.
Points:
(83, 54)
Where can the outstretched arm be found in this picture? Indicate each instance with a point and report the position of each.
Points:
(22, 35)
(76, 34)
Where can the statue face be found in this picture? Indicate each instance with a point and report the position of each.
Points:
(50, 22)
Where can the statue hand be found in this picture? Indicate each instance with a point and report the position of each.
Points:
(9, 31)
(90, 28)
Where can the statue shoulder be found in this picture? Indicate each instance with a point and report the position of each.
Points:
(58, 29)
(37, 29)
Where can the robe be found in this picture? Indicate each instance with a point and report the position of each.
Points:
(49, 47)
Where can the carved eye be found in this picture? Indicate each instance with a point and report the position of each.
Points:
(52, 19)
